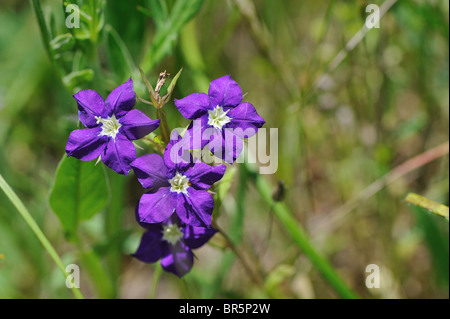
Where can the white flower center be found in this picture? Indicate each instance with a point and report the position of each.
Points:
(172, 233)
(218, 118)
(110, 125)
(179, 183)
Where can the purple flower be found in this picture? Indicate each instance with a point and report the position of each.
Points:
(111, 126)
(176, 183)
(172, 242)
(224, 119)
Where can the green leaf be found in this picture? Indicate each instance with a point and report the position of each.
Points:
(295, 230)
(159, 12)
(80, 191)
(431, 206)
(42, 26)
(119, 57)
(172, 87)
(150, 89)
(62, 43)
(94, 266)
(435, 234)
(77, 78)
(182, 12)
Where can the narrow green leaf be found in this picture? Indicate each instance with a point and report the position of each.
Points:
(172, 87)
(18, 204)
(436, 238)
(42, 26)
(164, 39)
(150, 89)
(159, 12)
(77, 78)
(299, 236)
(429, 205)
(97, 273)
(119, 57)
(163, 127)
(80, 191)
(62, 43)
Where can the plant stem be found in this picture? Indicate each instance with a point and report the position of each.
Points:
(336, 217)
(156, 145)
(15, 200)
(255, 277)
(155, 280)
(428, 204)
(164, 126)
(297, 233)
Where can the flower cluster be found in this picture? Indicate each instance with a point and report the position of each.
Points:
(224, 119)
(111, 126)
(177, 208)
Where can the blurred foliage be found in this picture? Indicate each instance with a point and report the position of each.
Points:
(386, 102)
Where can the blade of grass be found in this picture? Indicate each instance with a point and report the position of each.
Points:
(429, 205)
(15, 200)
(36, 4)
(339, 215)
(436, 241)
(155, 280)
(299, 236)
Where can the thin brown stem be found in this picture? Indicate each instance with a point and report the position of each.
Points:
(158, 147)
(253, 275)
(337, 216)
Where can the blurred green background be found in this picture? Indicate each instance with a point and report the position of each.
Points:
(386, 102)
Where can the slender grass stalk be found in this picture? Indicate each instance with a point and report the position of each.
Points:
(431, 206)
(155, 281)
(15, 200)
(297, 233)
(253, 275)
(336, 217)
(36, 4)
(164, 126)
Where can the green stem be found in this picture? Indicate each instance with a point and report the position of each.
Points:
(15, 200)
(43, 27)
(432, 206)
(155, 281)
(36, 4)
(164, 126)
(298, 234)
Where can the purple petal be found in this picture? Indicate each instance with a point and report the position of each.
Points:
(224, 91)
(150, 171)
(202, 176)
(85, 144)
(156, 206)
(195, 208)
(151, 247)
(136, 125)
(177, 157)
(156, 228)
(195, 133)
(90, 105)
(225, 145)
(119, 154)
(178, 259)
(245, 121)
(193, 106)
(121, 100)
(195, 237)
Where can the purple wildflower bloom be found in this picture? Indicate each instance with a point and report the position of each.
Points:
(176, 184)
(111, 126)
(221, 112)
(172, 242)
